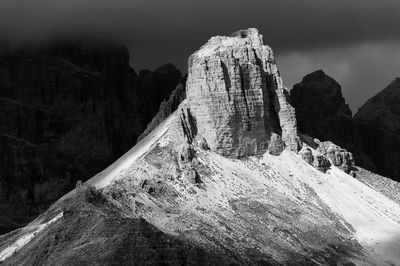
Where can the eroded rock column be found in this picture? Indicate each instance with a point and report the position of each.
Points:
(237, 99)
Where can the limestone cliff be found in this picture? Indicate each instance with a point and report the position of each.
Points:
(236, 99)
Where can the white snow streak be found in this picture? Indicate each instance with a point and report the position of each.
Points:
(26, 238)
(112, 172)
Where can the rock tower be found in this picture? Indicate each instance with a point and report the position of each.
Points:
(236, 99)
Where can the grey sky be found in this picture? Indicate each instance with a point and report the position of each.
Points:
(357, 42)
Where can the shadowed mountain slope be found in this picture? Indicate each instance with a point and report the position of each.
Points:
(378, 122)
(67, 110)
(95, 230)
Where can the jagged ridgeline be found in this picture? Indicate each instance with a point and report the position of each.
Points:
(219, 178)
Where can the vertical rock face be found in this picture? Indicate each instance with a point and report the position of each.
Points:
(67, 110)
(322, 113)
(378, 122)
(236, 99)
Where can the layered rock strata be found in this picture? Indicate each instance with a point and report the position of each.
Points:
(236, 99)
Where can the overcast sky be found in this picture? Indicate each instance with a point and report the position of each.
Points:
(357, 42)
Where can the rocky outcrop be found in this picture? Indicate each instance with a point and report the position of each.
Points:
(322, 113)
(328, 154)
(319, 161)
(306, 155)
(378, 123)
(337, 156)
(188, 163)
(67, 110)
(236, 99)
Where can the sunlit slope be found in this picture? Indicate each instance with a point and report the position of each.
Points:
(275, 205)
(256, 210)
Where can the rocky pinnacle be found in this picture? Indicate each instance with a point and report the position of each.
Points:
(236, 99)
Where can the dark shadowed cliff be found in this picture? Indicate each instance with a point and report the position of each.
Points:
(378, 121)
(322, 113)
(67, 110)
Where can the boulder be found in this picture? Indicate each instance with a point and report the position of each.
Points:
(186, 153)
(321, 163)
(276, 144)
(306, 155)
(337, 156)
(202, 143)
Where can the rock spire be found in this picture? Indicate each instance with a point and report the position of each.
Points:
(236, 99)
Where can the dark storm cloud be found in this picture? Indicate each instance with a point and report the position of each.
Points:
(158, 31)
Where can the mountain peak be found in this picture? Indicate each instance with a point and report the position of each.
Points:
(318, 72)
(316, 76)
(237, 97)
(379, 124)
(220, 44)
(246, 33)
(321, 109)
(396, 82)
(387, 95)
